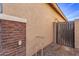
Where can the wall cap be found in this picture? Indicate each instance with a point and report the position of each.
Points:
(12, 18)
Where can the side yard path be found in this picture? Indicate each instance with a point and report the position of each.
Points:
(59, 50)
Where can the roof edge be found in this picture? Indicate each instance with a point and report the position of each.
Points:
(58, 10)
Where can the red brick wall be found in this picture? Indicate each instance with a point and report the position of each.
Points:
(10, 33)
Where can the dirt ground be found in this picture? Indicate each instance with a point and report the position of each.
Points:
(60, 50)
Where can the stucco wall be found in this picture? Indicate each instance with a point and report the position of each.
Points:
(76, 34)
(39, 31)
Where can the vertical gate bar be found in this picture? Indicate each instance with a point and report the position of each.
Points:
(69, 35)
(73, 35)
(57, 33)
(64, 31)
(68, 40)
(60, 33)
(66, 34)
(63, 35)
(71, 43)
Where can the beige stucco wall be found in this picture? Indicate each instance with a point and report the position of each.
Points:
(39, 31)
(76, 34)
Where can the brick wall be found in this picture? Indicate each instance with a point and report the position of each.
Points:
(11, 33)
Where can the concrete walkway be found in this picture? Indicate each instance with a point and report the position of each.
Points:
(59, 50)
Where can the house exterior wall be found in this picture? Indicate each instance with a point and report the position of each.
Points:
(40, 18)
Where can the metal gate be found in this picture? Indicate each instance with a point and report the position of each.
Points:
(65, 34)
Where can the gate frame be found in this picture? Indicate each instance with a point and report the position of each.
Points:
(56, 32)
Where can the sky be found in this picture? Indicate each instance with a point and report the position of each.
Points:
(70, 10)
